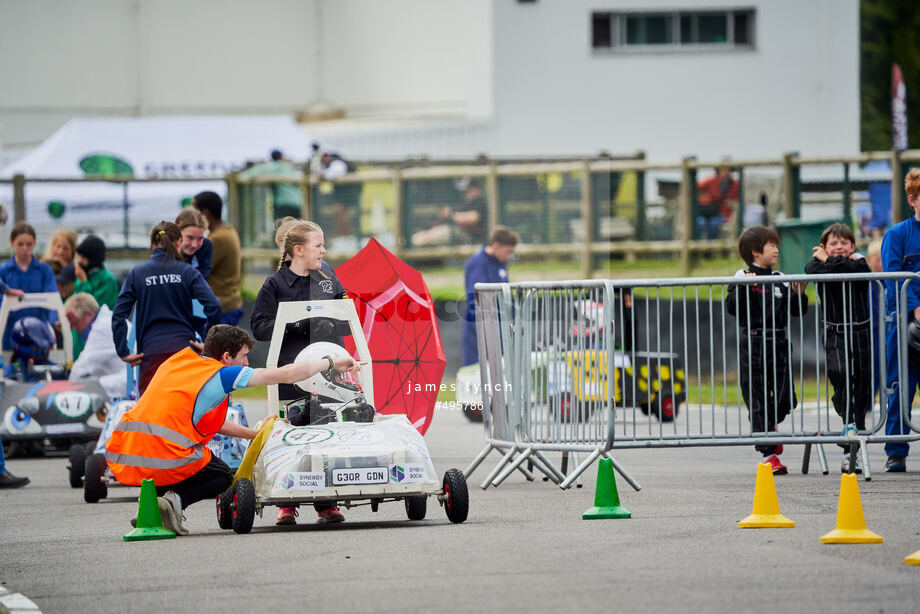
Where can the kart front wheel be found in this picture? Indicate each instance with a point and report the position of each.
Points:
(457, 496)
(77, 465)
(224, 511)
(94, 487)
(243, 505)
(416, 507)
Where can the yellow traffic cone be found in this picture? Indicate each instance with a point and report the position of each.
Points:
(851, 524)
(913, 559)
(765, 514)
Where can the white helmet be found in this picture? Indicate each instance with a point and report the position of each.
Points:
(328, 383)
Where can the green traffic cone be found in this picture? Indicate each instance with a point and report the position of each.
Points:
(149, 521)
(606, 498)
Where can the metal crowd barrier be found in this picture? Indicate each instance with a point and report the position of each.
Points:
(587, 367)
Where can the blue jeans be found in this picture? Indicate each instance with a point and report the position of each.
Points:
(710, 226)
(894, 425)
(2, 458)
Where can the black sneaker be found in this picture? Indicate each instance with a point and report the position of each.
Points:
(8, 480)
(896, 464)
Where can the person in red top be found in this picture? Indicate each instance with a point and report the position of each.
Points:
(165, 435)
(715, 197)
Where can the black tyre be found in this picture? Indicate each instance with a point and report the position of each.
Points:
(416, 507)
(643, 407)
(243, 506)
(94, 486)
(473, 412)
(667, 409)
(90, 447)
(77, 465)
(457, 502)
(224, 509)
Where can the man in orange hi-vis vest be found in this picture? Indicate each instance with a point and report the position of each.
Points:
(165, 435)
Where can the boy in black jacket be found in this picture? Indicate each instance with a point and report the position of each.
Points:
(847, 341)
(766, 377)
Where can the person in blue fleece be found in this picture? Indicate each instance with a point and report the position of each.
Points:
(488, 265)
(901, 253)
(162, 289)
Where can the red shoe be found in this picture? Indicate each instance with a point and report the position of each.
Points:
(778, 467)
(286, 515)
(329, 516)
(779, 449)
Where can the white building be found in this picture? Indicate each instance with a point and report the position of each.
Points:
(452, 78)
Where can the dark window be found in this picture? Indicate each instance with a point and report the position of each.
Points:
(648, 30)
(742, 28)
(675, 30)
(712, 29)
(601, 31)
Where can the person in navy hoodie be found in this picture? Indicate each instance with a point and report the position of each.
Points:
(24, 273)
(162, 289)
(488, 266)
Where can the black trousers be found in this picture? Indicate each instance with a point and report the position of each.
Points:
(213, 479)
(849, 369)
(766, 384)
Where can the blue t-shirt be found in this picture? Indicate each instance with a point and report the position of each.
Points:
(216, 389)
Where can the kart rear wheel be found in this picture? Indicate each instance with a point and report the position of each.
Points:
(90, 447)
(224, 511)
(416, 507)
(473, 412)
(77, 465)
(667, 410)
(243, 505)
(94, 488)
(457, 501)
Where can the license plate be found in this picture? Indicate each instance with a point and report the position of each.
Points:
(360, 475)
(64, 427)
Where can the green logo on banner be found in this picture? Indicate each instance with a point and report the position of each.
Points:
(56, 209)
(186, 202)
(107, 166)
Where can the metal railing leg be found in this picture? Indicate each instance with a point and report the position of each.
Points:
(578, 483)
(567, 482)
(864, 459)
(806, 459)
(542, 463)
(619, 469)
(497, 469)
(478, 461)
(501, 477)
(822, 458)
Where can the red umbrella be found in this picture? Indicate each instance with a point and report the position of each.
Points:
(399, 322)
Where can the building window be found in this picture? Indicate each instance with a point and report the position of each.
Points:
(673, 30)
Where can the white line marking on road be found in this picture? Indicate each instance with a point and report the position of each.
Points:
(16, 603)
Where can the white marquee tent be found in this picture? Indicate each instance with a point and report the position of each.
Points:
(190, 151)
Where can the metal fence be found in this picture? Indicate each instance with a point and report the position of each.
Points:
(588, 367)
(588, 209)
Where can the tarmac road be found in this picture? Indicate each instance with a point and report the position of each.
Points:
(523, 549)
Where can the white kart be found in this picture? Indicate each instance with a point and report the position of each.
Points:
(335, 458)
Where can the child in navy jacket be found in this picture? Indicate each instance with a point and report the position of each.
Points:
(162, 290)
(301, 276)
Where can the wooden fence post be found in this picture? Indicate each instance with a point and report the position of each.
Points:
(587, 217)
(685, 213)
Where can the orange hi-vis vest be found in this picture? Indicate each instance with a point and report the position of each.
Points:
(157, 438)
